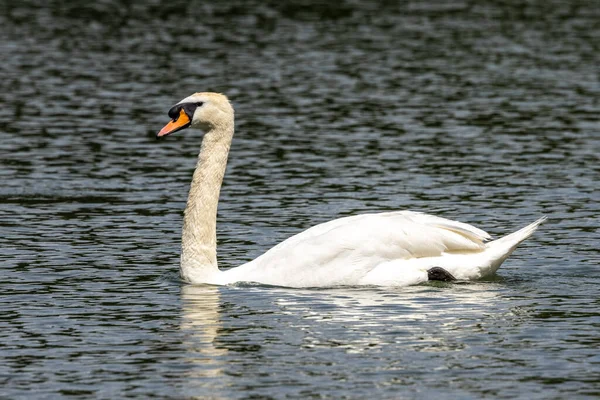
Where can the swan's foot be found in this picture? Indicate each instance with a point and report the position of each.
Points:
(439, 274)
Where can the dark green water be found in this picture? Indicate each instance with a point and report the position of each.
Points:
(486, 112)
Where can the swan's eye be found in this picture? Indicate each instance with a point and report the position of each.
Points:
(174, 112)
(199, 104)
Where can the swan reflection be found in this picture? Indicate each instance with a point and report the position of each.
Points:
(362, 319)
(200, 323)
(230, 331)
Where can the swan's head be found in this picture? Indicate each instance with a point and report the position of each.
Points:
(200, 110)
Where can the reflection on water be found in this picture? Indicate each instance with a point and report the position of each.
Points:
(372, 317)
(200, 324)
(482, 111)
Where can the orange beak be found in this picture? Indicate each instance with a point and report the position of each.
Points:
(182, 122)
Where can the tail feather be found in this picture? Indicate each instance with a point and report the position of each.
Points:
(503, 247)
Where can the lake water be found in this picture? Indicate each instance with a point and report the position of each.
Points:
(486, 112)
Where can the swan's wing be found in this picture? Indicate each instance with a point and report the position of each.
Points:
(408, 230)
(342, 251)
(466, 230)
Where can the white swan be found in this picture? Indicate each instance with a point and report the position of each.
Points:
(388, 249)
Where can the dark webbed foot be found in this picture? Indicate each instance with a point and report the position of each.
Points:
(439, 274)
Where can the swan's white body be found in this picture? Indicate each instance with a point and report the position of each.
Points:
(386, 249)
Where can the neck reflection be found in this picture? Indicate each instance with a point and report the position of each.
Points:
(200, 324)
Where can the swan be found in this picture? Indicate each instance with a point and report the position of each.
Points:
(397, 248)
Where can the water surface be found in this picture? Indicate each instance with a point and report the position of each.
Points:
(484, 112)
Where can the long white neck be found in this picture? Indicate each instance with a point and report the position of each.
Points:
(199, 236)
